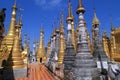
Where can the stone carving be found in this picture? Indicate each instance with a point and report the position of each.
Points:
(114, 71)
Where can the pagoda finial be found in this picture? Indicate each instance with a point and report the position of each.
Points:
(112, 26)
(62, 18)
(95, 19)
(15, 3)
(20, 16)
(20, 20)
(62, 22)
(42, 30)
(80, 3)
(70, 15)
(69, 8)
(55, 28)
(80, 7)
(19, 25)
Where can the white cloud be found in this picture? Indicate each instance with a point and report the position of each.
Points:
(55, 2)
(40, 2)
(45, 4)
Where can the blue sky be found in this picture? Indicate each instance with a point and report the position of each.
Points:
(46, 12)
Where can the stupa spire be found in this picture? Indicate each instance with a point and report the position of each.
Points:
(70, 15)
(84, 63)
(11, 32)
(20, 20)
(33, 59)
(13, 20)
(15, 64)
(69, 8)
(80, 7)
(70, 21)
(69, 56)
(62, 43)
(19, 25)
(69, 27)
(112, 25)
(15, 2)
(98, 52)
(95, 19)
(62, 21)
(95, 23)
(41, 50)
(15, 60)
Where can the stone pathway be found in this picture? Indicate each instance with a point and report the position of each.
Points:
(37, 71)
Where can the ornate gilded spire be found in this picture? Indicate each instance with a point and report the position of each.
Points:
(14, 6)
(42, 30)
(80, 7)
(11, 31)
(95, 19)
(15, 60)
(19, 25)
(69, 8)
(13, 20)
(112, 26)
(20, 20)
(70, 16)
(62, 21)
(61, 50)
(54, 32)
(41, 50)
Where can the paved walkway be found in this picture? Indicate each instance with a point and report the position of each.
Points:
(37, 72)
